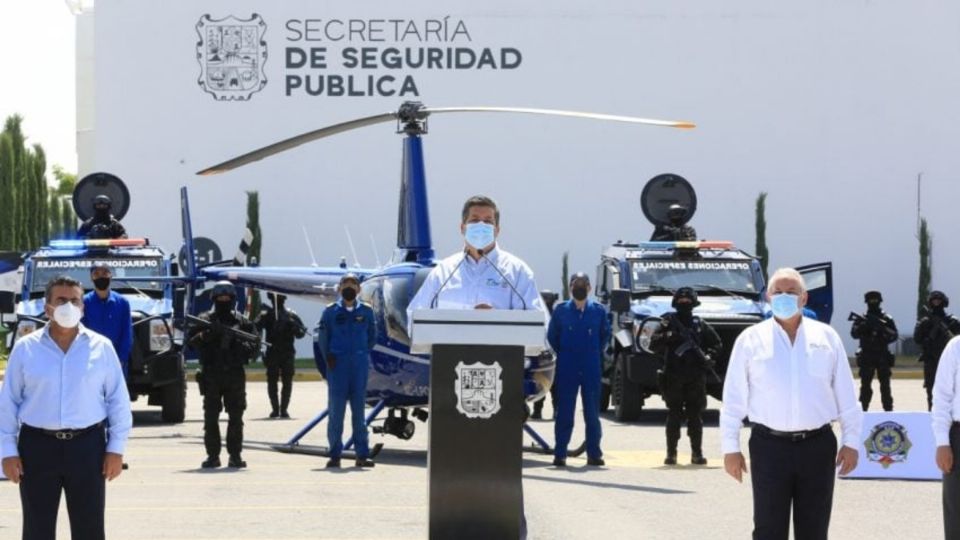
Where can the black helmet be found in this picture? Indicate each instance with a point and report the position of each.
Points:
(872, 295)
(221, 288)
(676, 212)
(102, 200)
(685, 292)
(934, 295)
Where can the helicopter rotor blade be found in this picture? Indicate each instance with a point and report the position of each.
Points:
(571, 114)
(293, 142)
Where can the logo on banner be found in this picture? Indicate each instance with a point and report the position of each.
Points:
(231, 53)
(478, 387)
(888, 444)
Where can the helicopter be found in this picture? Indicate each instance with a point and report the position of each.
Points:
(398, 381)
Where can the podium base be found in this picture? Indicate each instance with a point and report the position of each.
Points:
(476, 442)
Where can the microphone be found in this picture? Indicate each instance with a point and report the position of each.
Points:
(436, 296)
(514, 289)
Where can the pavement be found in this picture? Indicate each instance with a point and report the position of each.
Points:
(165, 495)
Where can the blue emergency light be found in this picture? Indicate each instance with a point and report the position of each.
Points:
(93, 243)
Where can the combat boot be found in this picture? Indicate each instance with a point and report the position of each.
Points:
(364, 463)
(696, 447)
(671, 458)
(333, 463)
(212, 462)
(274, 413)
(236, 462)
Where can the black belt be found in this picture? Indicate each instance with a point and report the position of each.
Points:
(793, 436)
(63, 434)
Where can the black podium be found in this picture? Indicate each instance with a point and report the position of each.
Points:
(476, 417)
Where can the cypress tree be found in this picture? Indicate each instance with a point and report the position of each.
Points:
(40, 194)
(761, 229)
(55, 224)
(566, 275)
(7, 202)
(926, 272)
(253, 224)
(69, 223)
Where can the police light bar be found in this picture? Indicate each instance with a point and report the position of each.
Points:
(99, 243)
(691, 244)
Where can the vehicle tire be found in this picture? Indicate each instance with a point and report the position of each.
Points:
(604, 397)
(629, 401)
(174, 405)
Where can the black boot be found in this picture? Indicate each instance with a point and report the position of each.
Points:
(364, 463)
(696, 447)
(274, 413)
(212, 462)
(673, 437)
(333, 463)
(236, 462)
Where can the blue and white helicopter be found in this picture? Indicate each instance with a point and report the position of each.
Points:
(398, 381)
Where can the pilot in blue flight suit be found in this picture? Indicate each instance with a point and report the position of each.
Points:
(348, 331)
(578, 332)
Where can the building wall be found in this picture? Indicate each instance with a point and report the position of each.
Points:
(832, 107)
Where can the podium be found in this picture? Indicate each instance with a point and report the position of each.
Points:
(476, 417)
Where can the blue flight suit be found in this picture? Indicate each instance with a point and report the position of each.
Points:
(347, 335)
(579, 338)
(111, 318)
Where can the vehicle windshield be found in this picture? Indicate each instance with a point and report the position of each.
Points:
(732, 276)
(46, 269)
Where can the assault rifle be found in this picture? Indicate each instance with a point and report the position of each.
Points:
(874, 323)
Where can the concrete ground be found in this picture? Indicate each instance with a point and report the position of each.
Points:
(164, 494)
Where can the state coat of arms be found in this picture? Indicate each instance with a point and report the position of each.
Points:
(478, 387)
(231, 53)
(888, 444)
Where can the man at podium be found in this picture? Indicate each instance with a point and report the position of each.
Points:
(481, 276)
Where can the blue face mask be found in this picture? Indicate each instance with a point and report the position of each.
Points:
(785, 305)
(479, 235)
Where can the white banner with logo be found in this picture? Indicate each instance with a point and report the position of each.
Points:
(897, 445)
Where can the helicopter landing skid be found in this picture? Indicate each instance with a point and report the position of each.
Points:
(322, 451)
(540, 446)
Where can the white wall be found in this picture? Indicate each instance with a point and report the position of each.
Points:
(833, 107)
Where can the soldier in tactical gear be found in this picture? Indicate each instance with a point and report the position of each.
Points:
(677, 229)
(102, 224)
(932, 333)
(223, 355)
(687, 344)
(875, 330)
(282, 327)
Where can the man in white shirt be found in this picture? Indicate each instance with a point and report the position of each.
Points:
(791, 377)
(946, 432)
(481, 276)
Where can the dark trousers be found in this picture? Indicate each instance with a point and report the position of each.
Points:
(929, 375)
(74, 467)
(686, 398)
(281, 369)
(538, 404)
(880, 367)
(799, 474)
(951, 490)
(224, 390)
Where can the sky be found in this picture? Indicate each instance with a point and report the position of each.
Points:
(38, 82)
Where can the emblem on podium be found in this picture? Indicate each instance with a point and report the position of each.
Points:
(478, 387)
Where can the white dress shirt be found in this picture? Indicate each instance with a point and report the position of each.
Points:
(46, 388)
(946, 400)
(787, 386)
(478, 282)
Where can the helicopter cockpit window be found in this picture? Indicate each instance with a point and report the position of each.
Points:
(397, 293)
(396, 297)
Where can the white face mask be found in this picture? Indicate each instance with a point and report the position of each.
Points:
(67, 315)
